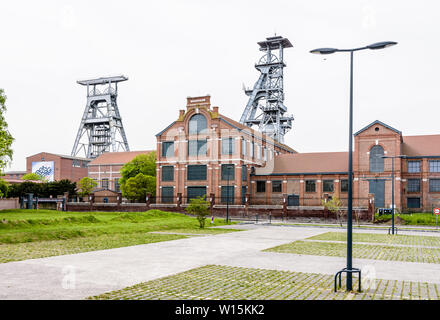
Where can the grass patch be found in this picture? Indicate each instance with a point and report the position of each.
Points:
(237, 283)
(362, 251)
(415, 219)
(427, 241)
(37, 228)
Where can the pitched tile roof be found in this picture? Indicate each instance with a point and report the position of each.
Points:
(308, 163)
(423, 145)
(117, 157)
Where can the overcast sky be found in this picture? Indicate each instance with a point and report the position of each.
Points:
(173, 49)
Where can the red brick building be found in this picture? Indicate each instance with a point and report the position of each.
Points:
(57, 167)
(199, 151)
(106, 169)
(196, 151)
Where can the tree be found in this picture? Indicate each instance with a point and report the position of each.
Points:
(3, 188)
(31, 176)
(86, 185)
(143, 163)
(136, 188)
(334, 205)
(200, 208)
(5, 137)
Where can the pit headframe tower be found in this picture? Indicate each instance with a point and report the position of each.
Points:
(265, 107)
(101, 128)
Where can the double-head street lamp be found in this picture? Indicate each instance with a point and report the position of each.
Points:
(392, 188)
(349, 269)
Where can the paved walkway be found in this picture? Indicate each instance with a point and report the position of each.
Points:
(97, 272)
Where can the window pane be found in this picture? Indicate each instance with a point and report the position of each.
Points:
(196, 172)
(227, 194)
(167, 194)
(276, 186)
(413, 202)
(413, 166)
(197, 124)
(168, 149)
(344, 185)
(117, 186)
(327, 186)
(434, 185)
(167, 173)
(376, 160)
(261, 186)
(434, 166)
(104, 183)
(310, 185)
(228, 171)
(228, 146)
(243, 147)
(413, 185)
(194, 192)
(243, 173)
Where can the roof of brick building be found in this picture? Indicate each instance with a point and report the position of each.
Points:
(316, 162)
(117, 157)
(423, 145)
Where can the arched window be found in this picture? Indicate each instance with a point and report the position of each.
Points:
(197, 124)
(376, 160)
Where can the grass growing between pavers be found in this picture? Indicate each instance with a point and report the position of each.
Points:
(224, 283)
(405, 248)
(410, 240)
(29, 234)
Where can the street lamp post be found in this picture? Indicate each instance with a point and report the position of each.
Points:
(349, 269)
(392, 189)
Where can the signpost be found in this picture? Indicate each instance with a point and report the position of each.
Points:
(436, 212)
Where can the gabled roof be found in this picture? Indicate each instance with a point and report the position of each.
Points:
(310, 163)
(108, 158)
(423, 145)
(382, 124)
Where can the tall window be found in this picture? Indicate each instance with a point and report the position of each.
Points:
(168, 173)
(104, 183)
(243, 147)
(434, 185)
(197, 147)
(261, 186)
(413, 166)
(117, 186)
(168, 149)
(167, 194)
(413, 185)
(310, 185)
(434, 166)
(228, 171)
(196, 172)
(344, 185)
(276, 186)
(376, 160)
(251, 149)
(327, 186)
(227, 194)
(228, 146)
(197, 124)
(243, 173)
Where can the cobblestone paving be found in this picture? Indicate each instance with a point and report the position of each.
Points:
(363, 251)
(40, 249)
(426, 241)
(222, 282)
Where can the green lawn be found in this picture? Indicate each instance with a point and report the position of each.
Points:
(232, 283)
(423, 219)
(26, 234)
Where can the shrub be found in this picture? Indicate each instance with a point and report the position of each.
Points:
(200, 208)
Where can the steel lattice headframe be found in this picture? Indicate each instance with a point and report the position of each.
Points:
(101, 128)
(265, 107)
